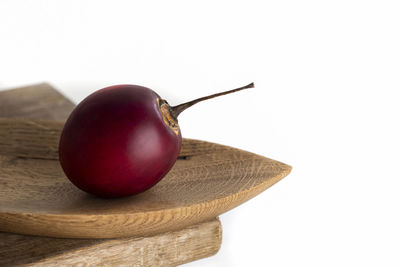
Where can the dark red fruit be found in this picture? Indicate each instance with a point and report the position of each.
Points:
(121, 140)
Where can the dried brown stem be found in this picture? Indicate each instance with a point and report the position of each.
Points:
(176, 110)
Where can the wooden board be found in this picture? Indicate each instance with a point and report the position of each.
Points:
(40, 101)
(166, 249)
(36, 198)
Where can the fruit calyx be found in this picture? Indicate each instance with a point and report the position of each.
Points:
(167, 116)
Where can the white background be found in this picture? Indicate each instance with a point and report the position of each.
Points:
(326, 101)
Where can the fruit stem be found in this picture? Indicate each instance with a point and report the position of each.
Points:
(176, 110)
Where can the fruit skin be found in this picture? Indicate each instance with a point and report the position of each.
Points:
(115, 142)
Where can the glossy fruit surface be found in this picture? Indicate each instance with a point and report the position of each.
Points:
(118, 141)
(123, 139)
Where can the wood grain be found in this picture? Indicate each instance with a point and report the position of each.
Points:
(36, 198)
(30, 138)
(35, 101)
(167, 249)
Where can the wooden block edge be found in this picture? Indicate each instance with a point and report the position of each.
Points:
(167, 249)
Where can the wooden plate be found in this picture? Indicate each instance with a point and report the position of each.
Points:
(37, 199)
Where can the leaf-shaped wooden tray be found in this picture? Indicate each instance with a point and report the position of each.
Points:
(37, 199)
